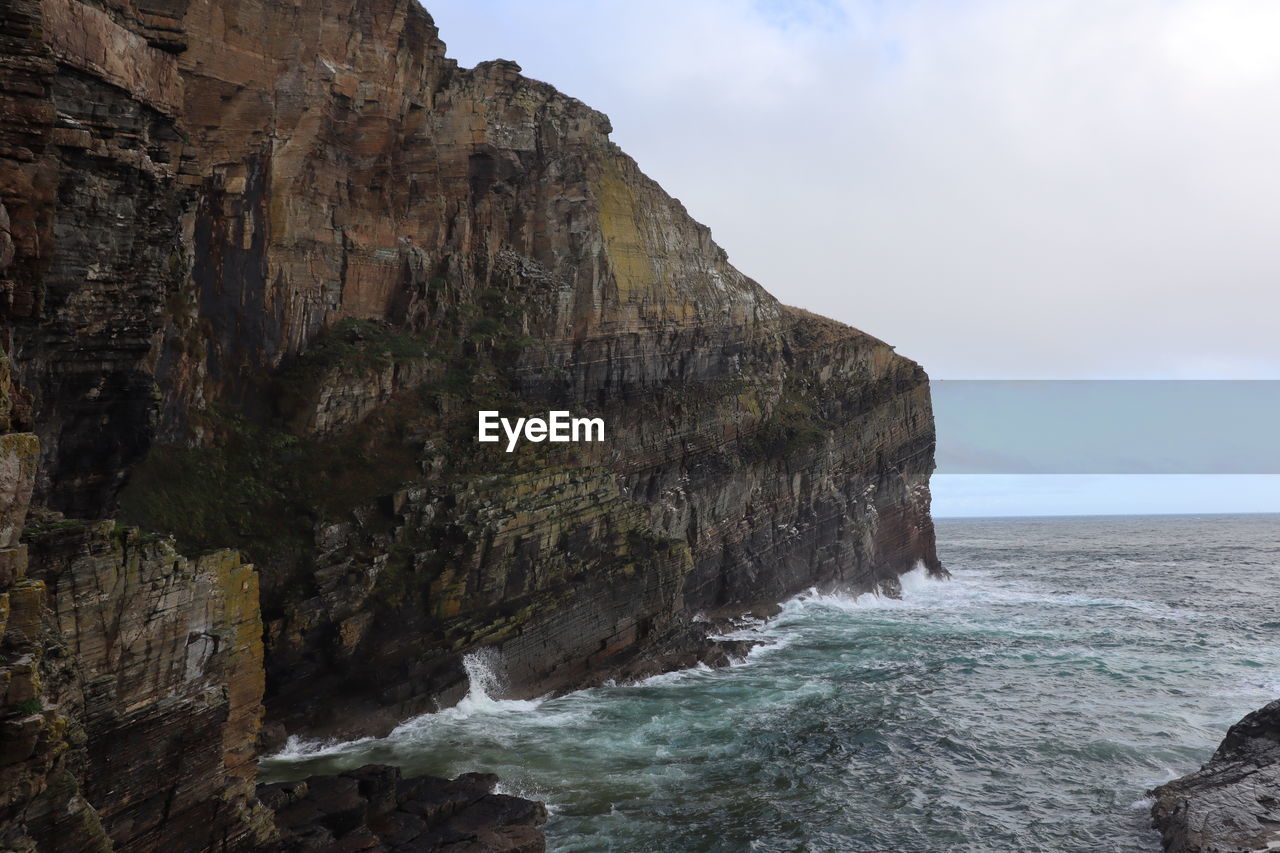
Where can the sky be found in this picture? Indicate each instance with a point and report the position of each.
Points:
(1032, 189)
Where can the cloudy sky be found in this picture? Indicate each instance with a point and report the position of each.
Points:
(999, 188)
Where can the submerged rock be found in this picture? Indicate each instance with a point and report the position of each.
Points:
(1232, 803)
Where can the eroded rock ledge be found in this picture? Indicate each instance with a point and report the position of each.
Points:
(1232, 803)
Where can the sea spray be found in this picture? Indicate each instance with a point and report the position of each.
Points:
(485, 679)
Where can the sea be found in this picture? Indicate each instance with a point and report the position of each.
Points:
(1028, 703)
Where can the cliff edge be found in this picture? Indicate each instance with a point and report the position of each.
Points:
(263, 263)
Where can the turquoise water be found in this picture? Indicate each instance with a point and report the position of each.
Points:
(1025, 705)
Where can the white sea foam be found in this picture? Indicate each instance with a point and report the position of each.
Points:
(486, 679)
(296, 747)
(755, 652)
(918, 589)
(1168, 775)
(917, 581)
(675, 676)
(511, 789)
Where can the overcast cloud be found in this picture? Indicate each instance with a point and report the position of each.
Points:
(999, 188)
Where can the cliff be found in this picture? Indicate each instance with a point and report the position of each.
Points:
(1232, 803)
(263, 263)
(38, 762)
(131, 680)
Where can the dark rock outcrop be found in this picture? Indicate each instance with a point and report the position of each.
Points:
(374, 809)
(1232, 803)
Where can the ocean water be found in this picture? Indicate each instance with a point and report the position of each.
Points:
(1026, 704)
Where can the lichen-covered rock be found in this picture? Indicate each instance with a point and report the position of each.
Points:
(41, 805)
(1232, 803)
(167, 683)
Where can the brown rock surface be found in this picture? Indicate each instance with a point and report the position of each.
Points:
(322, 239)
(167, 685)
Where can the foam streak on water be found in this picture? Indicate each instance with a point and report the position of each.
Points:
(1025, 705)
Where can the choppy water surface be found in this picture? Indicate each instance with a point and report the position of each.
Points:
(1025, 705)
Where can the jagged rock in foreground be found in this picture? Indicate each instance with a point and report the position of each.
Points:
(374, 809)
(1232, 804)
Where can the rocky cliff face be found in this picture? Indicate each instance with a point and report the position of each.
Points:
(39, 762)
(131, 681)
(1232, 804)
(167, 683)
(267, 262)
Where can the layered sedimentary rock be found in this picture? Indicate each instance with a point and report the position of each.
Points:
(41, 747)
(262, 265)
(131, 681)
(1232, 803)
(89, 158)
(167, 683)
(275, 257)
